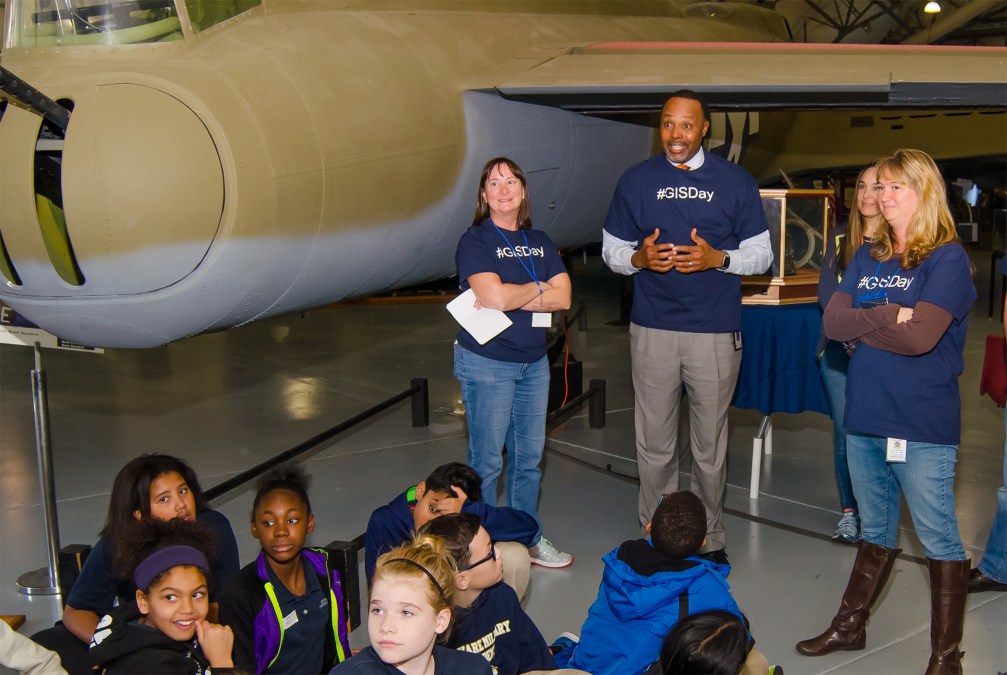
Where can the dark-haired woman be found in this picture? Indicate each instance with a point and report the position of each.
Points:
(903, 306)
(505, 382)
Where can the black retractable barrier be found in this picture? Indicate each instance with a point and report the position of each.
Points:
(421, 417)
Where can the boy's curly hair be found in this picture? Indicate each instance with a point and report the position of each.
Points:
(679, 525)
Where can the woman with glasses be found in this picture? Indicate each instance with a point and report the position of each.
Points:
(902, 309)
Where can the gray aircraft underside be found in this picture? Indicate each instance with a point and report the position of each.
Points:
(571, 162)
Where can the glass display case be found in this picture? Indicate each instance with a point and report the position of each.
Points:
(799, 221)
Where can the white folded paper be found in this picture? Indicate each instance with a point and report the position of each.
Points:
(484, 323)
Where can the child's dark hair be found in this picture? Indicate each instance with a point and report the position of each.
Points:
(679, 524)
(286, 477)
(459, 475)
(706, 643)
(457, 530)
(131, 491)
(145, 537)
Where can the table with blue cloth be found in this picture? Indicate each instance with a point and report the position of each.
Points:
(779, 371)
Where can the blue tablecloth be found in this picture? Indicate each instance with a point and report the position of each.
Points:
(779, 372)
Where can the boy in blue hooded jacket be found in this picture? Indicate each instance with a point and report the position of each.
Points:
(647, 586)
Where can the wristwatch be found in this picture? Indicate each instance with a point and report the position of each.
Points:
(727, 261)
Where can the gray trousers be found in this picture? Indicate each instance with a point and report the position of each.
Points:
(707, 365)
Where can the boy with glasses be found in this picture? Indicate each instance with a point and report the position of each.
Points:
(489, 618)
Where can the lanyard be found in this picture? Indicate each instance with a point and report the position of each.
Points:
(879, 293)
(531, 271)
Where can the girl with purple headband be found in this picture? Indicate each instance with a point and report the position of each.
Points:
(166, 630)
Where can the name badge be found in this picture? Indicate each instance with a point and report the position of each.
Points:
(896, 450)
(289, 620)
(541, 320)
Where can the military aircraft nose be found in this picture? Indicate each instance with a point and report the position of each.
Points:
(143, 189)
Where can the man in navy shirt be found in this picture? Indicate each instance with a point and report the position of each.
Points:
(687, 224)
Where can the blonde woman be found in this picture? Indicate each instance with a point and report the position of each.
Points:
(903, 307)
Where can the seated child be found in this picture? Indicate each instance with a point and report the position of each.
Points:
(153, 486)
(706, 643)
(488, 615)
(165, 630)
(453, 488)
(647, 587)
(410, 608)
(287, 609)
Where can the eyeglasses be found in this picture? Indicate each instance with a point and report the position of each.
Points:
(491, 556)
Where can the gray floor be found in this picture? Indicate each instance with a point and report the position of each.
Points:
(229, 400)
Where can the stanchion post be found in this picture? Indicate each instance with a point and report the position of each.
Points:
(421, 402)
(596, 409)
(44, 581)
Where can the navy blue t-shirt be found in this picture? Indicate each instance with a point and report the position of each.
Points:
(446, 662)
(721, 200)
(911, 397)
(496, 627)
(487, 248)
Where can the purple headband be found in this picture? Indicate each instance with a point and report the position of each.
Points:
(164, 559)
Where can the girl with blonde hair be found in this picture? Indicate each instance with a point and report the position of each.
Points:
(411, 596)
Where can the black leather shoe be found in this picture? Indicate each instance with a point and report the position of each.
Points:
(979, 582)
(719, 556)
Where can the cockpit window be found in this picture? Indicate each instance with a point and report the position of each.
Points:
(206, 13)
(55, 23)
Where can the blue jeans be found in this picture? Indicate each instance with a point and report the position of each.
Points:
(994, 563)
(926, 479)
(505, 404)
(833, 366)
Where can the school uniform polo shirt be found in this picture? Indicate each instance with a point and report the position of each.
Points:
(305, 621)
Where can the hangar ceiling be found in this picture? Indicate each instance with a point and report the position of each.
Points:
(960, 22)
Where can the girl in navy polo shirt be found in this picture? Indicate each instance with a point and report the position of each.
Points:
(902, 308)
(287, 608)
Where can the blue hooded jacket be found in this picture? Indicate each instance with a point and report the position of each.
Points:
(638, 604)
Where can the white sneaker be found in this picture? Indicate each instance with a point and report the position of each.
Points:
(546, 555)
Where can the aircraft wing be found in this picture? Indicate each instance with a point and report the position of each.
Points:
(638, 76)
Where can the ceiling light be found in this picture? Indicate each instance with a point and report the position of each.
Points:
(932, 7)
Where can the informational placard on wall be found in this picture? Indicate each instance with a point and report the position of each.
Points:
(17, 330)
